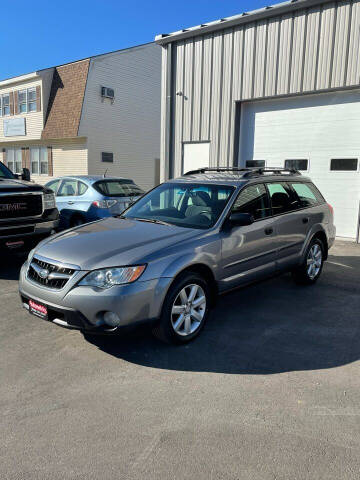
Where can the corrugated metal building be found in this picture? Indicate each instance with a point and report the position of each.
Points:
(273, 87)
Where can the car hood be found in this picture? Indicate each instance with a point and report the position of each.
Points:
(112, 242)
(15, 185)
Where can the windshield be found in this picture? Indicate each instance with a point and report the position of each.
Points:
(5, 172)
(118, 188)
(190, 205)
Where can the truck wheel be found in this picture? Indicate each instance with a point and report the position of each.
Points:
(310, 270)
(185, 309)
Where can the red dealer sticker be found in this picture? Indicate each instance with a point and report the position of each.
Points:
(38, 309)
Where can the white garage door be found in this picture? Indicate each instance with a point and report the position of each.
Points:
(322, 129)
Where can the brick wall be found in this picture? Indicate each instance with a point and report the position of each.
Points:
(66, 99)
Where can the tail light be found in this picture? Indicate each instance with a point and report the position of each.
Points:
(331, 209)
(104, 203)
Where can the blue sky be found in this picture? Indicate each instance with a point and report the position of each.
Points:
(45, 33)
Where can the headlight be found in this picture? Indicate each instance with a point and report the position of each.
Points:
(49, 201)
(108, 277)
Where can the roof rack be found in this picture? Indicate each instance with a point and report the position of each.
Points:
(275, 171)
(247, 172)
(216, 169)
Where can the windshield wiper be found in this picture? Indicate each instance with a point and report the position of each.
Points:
(148, 220)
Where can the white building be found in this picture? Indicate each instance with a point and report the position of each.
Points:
(275, 87)
(86, 117)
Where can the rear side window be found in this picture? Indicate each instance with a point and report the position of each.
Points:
(306, 194)
(82, 188)
(282, 199)
(67, 188)
(254, 200)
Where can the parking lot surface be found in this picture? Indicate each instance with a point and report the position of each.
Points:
(270, 390)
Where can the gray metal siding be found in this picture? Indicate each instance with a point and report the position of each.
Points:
(314, 49)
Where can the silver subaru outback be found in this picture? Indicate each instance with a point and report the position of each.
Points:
(165, 259)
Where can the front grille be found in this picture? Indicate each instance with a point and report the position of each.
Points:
(19, 206)
(56, 278)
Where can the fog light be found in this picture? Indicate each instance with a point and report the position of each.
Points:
(112, 319)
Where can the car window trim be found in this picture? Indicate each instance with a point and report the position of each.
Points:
(241, 188)
(268, 197)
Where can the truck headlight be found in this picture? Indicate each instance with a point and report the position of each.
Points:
(49, 201)
(107, 277)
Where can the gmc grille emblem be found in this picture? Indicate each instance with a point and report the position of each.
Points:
(12, 207)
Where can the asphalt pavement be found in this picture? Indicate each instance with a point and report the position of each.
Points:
(270, 390)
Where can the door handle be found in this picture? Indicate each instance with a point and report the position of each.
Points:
(268, 231)
(70, 203)
(305, 220)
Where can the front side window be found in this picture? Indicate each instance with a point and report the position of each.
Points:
(5, 172)
(282, 200)
(189, 205)
(254, 200)
(39, 160)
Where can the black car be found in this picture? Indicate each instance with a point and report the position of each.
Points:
(27, 211)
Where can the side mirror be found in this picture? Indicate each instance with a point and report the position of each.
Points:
(241, 219)
(26, 174)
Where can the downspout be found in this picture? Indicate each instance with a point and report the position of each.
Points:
(169, 114)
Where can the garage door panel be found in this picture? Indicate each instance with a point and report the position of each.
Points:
(313, 127)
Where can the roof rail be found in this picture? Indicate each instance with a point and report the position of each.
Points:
(275, 171)
(216, 169)
(247, 172)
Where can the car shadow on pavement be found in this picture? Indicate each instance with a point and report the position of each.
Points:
(271, 327)
(10, 264)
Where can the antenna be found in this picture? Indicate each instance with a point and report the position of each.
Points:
(105, 173)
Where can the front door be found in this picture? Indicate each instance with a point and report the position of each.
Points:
(249, 252)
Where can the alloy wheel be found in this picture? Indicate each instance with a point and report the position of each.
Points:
(188, 309)
(314, 261)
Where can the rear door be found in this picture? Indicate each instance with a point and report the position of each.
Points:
(290, 221)
(66, 194)
(249, 252)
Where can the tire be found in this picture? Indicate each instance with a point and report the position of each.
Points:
(178, 323)
(310, 270)
(76, 221)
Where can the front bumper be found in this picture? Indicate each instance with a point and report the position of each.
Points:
(83, 307)
(30, 233)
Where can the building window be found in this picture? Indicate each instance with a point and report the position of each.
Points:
(39, 160)
(107, 157)
(255, 163)
(14, 159)
(301, 164)
(6, 104)
(31, 100)
(344, 164)
(22, 101)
